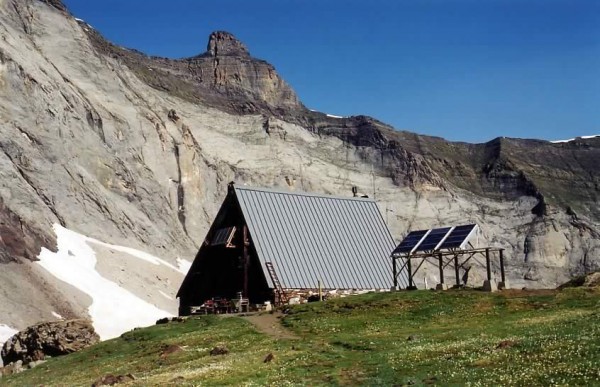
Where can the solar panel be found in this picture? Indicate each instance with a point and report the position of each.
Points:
(433, 239)
(459, 236)
(223, 236)
(410, 241)
(436, 239)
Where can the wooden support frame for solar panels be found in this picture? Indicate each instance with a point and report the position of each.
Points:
(456, 258)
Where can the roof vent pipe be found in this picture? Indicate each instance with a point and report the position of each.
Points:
(354, 191)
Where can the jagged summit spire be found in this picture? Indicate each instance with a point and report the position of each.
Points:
(221, 43)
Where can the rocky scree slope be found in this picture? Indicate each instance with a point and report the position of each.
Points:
(136, 151)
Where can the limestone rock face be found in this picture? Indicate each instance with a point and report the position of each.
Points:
(225, 77)
(49, 339)
(222, 43)
(58, 4)
(20, 240)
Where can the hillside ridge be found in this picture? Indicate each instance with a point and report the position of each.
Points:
(409, 158)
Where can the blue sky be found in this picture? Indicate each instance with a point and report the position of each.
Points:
(466, 70)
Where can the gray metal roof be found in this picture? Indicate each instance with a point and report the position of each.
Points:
(343, 241)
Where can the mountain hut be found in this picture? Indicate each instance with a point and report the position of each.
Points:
(264, 242)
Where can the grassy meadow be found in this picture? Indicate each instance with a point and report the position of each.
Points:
(457, 337)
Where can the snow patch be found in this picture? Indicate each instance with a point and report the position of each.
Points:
(114, 310)
(58, 316)
(6, 333)
(561, 141)
(328, 115)
(572, 139)
(183, 265)
(78, 20)
(133, 252)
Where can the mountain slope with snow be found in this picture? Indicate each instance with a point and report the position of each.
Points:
(114, 309)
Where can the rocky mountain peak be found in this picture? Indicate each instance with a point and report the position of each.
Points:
(222, 43)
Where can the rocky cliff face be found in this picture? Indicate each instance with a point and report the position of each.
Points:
(136, 151)
(224, 77)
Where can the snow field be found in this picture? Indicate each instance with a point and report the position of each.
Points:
(114, 310)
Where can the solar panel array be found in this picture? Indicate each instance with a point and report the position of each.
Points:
(436, 239)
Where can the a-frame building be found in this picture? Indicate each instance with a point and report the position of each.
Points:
(263, 240)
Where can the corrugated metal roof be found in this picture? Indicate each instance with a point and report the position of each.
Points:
(343, 241)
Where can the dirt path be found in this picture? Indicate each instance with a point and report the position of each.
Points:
(270, 324)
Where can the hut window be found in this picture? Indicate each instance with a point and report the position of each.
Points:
(224, 236)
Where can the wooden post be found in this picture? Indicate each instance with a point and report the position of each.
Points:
(502, 274)
(246, 260)
(456, 270)
(488, 265)
(441, 269)
(320, 290)
(410, 276)
(394, 270)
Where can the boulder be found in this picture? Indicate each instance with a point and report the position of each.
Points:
(166, 320)
(504, 344)
(12, 368)
(111, 380)
(172, 115)
(219, 350)
(49, 339)
(590, 280)
(269, 358)
(170, 349)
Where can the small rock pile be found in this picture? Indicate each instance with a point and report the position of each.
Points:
(166, 320)
(590, 280)
(219, 350)
(111, 380)
(33, 345)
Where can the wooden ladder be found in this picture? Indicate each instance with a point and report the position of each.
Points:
(281, 295)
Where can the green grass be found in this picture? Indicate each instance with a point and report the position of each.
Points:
(420, 337)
